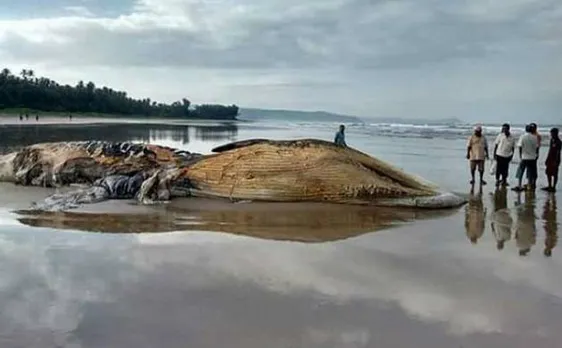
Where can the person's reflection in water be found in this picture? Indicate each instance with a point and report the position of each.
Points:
(525, 229)
(475, 216)
(501, 218)
(550, 225)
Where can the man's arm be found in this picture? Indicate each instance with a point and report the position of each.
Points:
(486, 148)
(496, 145)
(538, 148)
(468, 147)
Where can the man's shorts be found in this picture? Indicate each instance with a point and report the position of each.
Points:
(552, 168)
(477, 164)
(530, 166)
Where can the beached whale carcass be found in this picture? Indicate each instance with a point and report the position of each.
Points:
(256, 169)
(310, 170)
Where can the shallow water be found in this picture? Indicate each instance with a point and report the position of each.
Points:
(240, 274)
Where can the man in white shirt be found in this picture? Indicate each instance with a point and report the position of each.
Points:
(503, 154)
(528, 145)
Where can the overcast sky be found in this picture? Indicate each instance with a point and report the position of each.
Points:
(472, 59)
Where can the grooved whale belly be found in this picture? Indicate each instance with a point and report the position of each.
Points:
(301, 170)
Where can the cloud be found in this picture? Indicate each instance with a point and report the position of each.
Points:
(79, 11)
(412, 55)
(250, 34)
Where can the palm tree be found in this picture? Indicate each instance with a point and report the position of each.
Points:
(6, 72)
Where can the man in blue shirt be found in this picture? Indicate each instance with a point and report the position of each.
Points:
(340, 137)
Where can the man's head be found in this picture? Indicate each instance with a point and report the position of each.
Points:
(342, 128)
(505, 128)
(554, 132)
(533, 127)
(478, 130)
(528, 128)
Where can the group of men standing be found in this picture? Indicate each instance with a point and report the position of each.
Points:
(505, 146)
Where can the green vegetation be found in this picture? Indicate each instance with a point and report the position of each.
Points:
(29, 93)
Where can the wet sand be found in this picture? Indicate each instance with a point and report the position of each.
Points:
(440, 282)
(304, 222)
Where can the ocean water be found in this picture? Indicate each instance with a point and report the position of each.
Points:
(234, 276)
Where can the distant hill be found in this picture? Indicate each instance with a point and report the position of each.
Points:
(253, 114)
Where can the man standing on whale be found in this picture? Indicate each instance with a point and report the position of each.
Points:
(477, 153)
(340, 137)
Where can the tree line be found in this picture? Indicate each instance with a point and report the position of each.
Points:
(28, 91)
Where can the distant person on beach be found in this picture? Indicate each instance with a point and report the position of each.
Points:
(528, 145)
(21, 117)
(553, 160)
(36, 117)
(70, 116)
(503, 154)
(340, 137)
(477, 153)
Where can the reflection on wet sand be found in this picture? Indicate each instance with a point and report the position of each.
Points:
(278, 221)
(475, 217)
(503, 225)
(14, 136)
(502, 222)
(525, 227)
(550, 224)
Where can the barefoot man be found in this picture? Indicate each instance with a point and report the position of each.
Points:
(477, 153)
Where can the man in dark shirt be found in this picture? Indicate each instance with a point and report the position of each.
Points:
(553, 160)
(340, 137)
